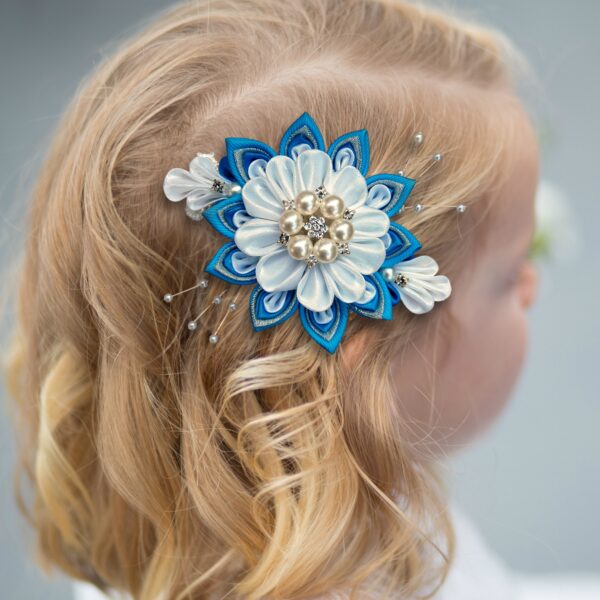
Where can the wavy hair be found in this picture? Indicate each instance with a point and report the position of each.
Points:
(262, 466)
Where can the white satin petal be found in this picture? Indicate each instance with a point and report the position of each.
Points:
(200, 197)
(348, 184)
(313, 167)
(258, 237)
(366, 255)
(314, 290)
(280, 174)
(178, 184)
(279, 272)
(368, 294)
(204, 166)
(347, 283)
(438, 286)
(419, 266)
(370, 222)
(416, 299)
(260, 200)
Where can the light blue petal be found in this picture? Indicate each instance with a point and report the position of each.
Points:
(222, 215)
(268, 309)
(399, 186)
(223, 265)
(380, 306)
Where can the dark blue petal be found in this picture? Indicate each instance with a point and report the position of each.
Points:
(394, 292)
(232, 265)
(222, 215)
(302, 131)
(403, 245)
(400, 188)
(268, 309)
(241, 152)
(224, 169)
(354, 146)
(380, 306)
(326, 327)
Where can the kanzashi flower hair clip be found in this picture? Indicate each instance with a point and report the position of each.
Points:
(310, 230)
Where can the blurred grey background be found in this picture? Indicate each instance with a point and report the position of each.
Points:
(532, 483)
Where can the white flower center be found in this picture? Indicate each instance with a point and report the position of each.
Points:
(326, 221)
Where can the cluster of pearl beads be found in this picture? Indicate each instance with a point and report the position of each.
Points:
(321, 214)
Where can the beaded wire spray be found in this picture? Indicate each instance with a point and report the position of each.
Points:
(310, 230)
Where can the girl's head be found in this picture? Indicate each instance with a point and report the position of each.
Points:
(263, 466)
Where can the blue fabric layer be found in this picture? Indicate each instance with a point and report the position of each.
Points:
(221, 215)
(380, 306)
(268, 309)
(224, 169)
(302, 131)
(223, 264)
(326, 332)
(399, 186)
(402, 247)
(358, 142)
(241, 152)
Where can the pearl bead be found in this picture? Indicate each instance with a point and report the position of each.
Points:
(168, 298)
(192, 325)
(232, 306)
(217, 300)
(299, 247)
(461, 208)
(341, 231)
(307, 203)
(388, 274)
(332, 207)
(325, 250)
(437, 157)
(214, 338)
(203, 283)
(418, 208)
(419, 137)
(291, 221)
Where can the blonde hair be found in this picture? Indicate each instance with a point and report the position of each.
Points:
(263, 466)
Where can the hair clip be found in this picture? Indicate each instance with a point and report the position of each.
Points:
(310, 230)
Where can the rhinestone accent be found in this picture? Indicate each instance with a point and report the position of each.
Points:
(349, 214)
(321, 192)
(311, 261)
(343, 248)
(218, 186)
(316, 227)
(288, 204)
(401, 280)
(284, 238)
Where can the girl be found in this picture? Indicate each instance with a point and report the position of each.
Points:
(173, 450)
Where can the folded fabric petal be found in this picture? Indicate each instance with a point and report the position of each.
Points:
(370, 222)
(261, 200)
(258, 237)
(280, 174)
(366, 255)
(313, 167)
(279, 272)
(349, 184)
(346, 282)
(314, 290)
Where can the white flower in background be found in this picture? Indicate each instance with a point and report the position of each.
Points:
(418, 284)
(311, 229)
(556, 234)
(201, 185)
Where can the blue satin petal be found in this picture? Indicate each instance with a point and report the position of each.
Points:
(404, 245)
(220, 215)
(394, 292)
(241, 152)
(224, 169)
(261, 317)
(400, 186)
(327, 334)
(221, 266)
(302, 131)
(358, 142)
(380, 306)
